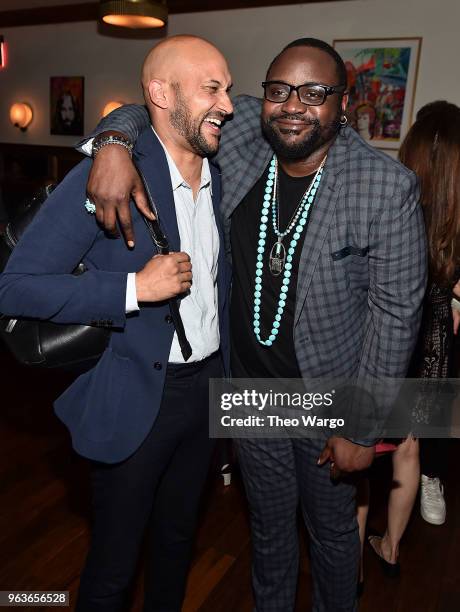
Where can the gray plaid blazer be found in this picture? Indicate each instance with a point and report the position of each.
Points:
(362, 271)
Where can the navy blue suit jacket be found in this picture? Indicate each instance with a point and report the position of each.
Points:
(110, 409)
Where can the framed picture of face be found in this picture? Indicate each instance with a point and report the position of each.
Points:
(382, 76)
(66, 105)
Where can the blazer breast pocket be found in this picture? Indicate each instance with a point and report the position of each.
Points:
(350, 250)
(352, 263)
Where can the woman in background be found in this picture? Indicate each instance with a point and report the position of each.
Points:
(432, 150)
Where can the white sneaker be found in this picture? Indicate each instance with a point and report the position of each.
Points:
(432, 504)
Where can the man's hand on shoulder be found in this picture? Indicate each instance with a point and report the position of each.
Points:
(113, 180)
(346, 456)
(163, 277)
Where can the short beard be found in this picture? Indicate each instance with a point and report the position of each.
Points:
(181, 120)
(318, 136)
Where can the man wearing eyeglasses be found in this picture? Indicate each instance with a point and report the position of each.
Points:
(327, 244)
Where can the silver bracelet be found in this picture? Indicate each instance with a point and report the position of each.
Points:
(455, 304)
(98, 143)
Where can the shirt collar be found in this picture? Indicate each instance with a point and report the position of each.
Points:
(176, 177)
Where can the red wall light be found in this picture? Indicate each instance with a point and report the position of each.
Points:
(2, 53)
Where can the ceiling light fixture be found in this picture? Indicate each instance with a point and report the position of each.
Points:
(134, 13)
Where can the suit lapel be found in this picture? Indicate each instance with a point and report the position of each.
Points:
(216, 193)
(321, 215)
(222, 279)
(150, 158)
(241, 174)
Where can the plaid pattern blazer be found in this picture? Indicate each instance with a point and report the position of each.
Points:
(362, 273)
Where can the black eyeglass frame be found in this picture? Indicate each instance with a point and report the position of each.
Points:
(328, 90)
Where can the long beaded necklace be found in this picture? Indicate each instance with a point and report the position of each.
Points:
(278, 259)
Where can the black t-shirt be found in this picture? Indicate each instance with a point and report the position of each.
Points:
(250, 359)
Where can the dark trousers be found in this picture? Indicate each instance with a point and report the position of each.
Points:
(278, 474)
(159, 484)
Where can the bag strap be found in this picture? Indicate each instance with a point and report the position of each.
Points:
(162, 244)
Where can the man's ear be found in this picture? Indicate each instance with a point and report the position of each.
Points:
(157, 93)
(344, 102)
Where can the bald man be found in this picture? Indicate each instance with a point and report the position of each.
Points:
(141, 414)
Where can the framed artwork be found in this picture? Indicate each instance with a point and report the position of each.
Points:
(382, 76)
(67, 105)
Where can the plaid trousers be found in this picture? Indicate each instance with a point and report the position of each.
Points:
(277, 474)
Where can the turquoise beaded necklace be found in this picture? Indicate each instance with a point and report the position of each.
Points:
(278, 260)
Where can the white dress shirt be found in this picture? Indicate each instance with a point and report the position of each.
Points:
(200, 239)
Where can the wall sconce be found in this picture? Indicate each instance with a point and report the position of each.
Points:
(111, 106)
(2, 52)
(21, 115)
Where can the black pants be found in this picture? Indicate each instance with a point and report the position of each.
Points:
(161, 483)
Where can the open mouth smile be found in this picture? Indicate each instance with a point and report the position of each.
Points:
(213, 124)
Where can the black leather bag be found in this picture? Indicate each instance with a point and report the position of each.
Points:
(42, 343)
(71, 347)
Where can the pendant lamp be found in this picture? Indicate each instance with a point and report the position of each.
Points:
(134, 13)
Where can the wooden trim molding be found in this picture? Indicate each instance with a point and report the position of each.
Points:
(88, 11)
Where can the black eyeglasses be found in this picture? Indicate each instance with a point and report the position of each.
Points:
(311, 94)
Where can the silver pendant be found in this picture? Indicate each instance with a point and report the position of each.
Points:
(277, 258)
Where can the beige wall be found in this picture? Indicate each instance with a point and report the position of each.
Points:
(249, 38)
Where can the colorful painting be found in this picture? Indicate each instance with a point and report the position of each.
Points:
(381, 80)
(66, 105)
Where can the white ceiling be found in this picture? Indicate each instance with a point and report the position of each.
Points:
(11, 5)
